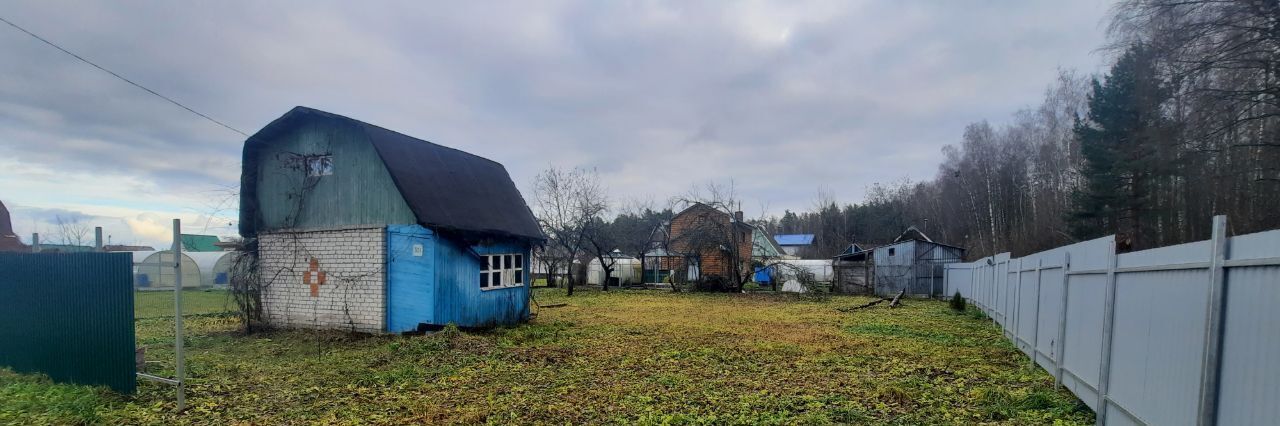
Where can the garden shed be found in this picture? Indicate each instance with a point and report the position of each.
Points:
(852, 270)
(365, 229)
(912, 262)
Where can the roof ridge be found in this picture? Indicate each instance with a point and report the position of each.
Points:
(368, 125)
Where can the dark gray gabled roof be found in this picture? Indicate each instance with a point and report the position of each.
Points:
(912, 233)
(447, 189)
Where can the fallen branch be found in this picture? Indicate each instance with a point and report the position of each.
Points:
(866, 305)
(893, 303)
(897, 300)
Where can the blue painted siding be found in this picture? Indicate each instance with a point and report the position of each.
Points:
(410, 277)
(460, 300)
(442, 285)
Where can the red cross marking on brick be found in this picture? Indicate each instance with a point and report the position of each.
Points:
(314, 277)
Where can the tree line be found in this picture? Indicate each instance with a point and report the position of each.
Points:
(1183, 126)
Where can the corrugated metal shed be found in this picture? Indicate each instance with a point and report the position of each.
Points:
(912, 265)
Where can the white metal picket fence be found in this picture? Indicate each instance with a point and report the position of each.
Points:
(1185, 334)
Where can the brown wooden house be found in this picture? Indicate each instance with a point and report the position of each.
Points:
(707, 242)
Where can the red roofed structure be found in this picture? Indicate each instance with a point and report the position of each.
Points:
(8, 240)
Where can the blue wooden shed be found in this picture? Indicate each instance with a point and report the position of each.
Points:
(367, 228)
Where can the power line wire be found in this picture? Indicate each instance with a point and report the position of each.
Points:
(126, 80)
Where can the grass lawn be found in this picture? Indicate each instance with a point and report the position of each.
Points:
(155, 304)
(616, 357)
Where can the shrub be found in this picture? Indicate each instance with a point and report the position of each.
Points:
(957, 302)
(714, 284)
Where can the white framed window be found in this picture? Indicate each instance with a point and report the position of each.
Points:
(319, 165)
(501, 271)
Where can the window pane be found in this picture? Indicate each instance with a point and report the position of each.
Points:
(495, 278)
(507, 259)
(326, 165)
(484, 279)
(519, 261)
(319, 165)
(518, 277)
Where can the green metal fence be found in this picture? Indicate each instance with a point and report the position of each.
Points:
(69, 316)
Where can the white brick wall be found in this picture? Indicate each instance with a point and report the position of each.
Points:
(352, 297)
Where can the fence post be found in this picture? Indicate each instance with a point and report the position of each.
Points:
(1060, 346)
(973, 288)
(1017, 307)
(179, 352)
(995, 294)
(978, 277)
(946, 274)
(1108, 324)
(1035, 325)
(1211, 364)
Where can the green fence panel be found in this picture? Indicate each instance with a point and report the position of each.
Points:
(69, 316)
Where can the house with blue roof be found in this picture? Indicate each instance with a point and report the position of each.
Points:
(794, 244)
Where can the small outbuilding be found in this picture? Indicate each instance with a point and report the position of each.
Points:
(913, 262)
(852, 270)
(365, 229)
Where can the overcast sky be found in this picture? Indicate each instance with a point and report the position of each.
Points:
(782, 98)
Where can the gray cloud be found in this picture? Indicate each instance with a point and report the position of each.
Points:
(782, 98)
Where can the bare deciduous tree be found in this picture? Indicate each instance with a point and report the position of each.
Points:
(567, 202)
(72, 231)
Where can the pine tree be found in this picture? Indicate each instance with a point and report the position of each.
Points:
(1120, 141)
